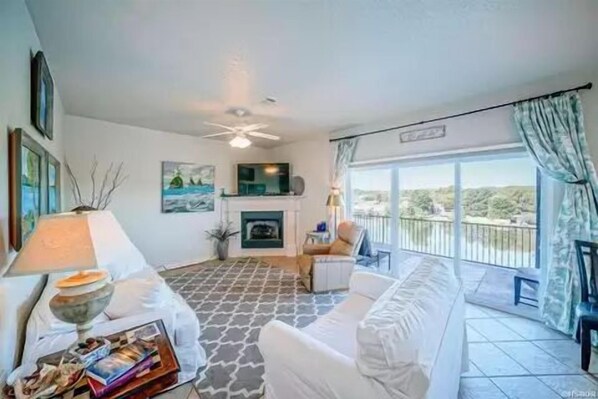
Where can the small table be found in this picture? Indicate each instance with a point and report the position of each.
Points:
(529, 276)
(161, 375)
(375, 258)
(317, 237)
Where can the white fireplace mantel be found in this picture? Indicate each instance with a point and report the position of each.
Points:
(289, 205)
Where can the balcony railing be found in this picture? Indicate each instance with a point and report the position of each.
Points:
(494, 244)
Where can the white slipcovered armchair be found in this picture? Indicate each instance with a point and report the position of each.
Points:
(326, 267)
(390, 338)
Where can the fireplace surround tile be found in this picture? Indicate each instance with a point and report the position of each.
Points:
(289, 206)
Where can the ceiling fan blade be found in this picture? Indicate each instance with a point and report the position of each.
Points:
(255, 126)
(219, 125)
(264, 135)
(218, 134)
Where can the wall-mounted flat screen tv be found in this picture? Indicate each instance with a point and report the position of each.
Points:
(263, 178)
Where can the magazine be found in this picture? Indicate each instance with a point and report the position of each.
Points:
(99, 389)
(120, 361)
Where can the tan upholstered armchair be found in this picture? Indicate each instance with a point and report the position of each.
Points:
(325, 267)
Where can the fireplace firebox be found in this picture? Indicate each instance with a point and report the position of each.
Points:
(262, 229)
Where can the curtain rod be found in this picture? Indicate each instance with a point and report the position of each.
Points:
(587, 86)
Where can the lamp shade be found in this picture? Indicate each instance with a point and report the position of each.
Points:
(59, 243)
(334, 200)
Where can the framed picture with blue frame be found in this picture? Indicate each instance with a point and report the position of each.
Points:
(34, 181)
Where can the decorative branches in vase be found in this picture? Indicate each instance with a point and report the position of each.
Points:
(102, 189)
(221, 236)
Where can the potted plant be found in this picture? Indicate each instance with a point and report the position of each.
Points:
(221, 235)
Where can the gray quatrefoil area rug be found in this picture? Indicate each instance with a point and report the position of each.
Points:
(233, 300)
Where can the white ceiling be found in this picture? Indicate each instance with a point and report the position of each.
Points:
(172, 64)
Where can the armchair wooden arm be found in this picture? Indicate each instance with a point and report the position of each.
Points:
(316, 249)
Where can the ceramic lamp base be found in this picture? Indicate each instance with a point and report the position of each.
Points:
(80, 303)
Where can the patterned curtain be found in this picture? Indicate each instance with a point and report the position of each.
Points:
(553, 132)
(343, 155)
(342, 158)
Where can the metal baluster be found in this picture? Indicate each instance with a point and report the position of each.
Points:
(417, 241)
(475, 243)
(529, 252)
(435, 239)
(464, 234)
(509, 247)
(504, 238)
(451, 238)
(479, 240)
(517, 246)
(443, 243)
(421, 236)
(469, 242)
(444, 238)
(496, 238)
(487, 238)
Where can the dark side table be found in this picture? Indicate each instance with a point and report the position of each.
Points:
(530, 276)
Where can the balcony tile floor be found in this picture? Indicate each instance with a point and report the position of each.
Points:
(514, 357)
(493, 286)
(484, 284)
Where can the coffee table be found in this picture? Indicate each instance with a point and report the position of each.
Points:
(161, 375)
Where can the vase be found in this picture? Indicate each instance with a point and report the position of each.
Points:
(222, 249)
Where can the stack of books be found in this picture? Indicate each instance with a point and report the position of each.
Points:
(120, 367)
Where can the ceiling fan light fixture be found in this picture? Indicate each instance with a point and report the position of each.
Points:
(240, 142)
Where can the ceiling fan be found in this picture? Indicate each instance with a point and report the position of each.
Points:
(242, 131)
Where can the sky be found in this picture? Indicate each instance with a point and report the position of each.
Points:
(494, 173)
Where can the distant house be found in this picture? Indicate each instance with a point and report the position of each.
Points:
(525, 219)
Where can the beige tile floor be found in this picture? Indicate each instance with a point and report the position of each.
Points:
(512, 357)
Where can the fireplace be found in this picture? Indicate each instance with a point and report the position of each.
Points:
(262, 229)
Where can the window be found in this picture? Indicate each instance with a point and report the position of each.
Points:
(481, 208)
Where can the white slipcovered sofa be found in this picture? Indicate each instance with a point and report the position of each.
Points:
(140, 296)
(389, 339)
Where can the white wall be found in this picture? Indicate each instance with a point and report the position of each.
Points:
(18, 42)
(165, 239)
(310, 160)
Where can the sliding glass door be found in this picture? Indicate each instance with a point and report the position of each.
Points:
(479, 213)
(499, 228)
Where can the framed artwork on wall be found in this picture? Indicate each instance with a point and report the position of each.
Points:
(187, 187)
(28, 185)
(53, 191)
(42, 96)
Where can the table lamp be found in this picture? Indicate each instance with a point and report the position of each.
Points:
(62, 243)
(335, 200)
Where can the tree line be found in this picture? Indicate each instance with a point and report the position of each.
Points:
(488, 202)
